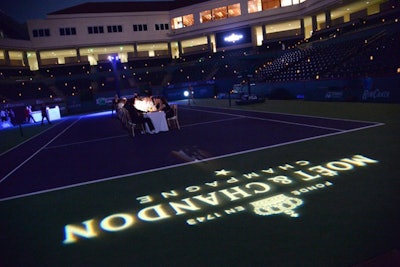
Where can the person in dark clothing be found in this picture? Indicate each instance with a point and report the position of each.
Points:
(43, 109)
(169, 112)
(28, 114)
(114, 104)
(137, 116)
(11, 115)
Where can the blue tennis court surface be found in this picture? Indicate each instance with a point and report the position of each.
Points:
(87, 149)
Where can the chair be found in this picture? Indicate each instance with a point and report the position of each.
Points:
(123, 116)
(127, 122)
(173, 121)
(132, 126)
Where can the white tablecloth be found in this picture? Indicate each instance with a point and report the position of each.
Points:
(159, 121)
(54, 114)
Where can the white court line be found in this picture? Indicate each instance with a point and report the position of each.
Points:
(208, 122)
(235, 117)
(88, 141)
(278, 121)
(289, 114)
(188, 163)
(20, 144)
(34, 154)
(124, 135)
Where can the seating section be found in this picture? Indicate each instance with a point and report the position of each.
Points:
(351, 50)
(372, 50)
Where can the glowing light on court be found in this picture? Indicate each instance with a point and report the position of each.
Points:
(254, 192)
(72, 232)
(117, 222)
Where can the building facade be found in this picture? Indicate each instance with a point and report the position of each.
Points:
(93, 32)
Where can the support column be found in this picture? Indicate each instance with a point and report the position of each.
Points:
(25, 59)
(169, 49)
(264, 32)
(180, 48)
(328, 19)
(209, 46)
(314, 23)
(7, 57)
(78, 55)
(135, 52)
(39, 60)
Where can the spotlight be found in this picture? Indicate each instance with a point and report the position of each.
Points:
(112, 58)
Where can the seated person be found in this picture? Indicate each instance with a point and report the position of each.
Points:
(121, 103)
(164, 106)
(136, 115)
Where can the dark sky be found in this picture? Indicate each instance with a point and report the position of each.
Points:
(23, 10)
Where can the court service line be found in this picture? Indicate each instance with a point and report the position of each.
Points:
(88, 141)
(278, 121)
(37, 152)
(188, 163)
(208, 122)
(124, 135)
(290, 114)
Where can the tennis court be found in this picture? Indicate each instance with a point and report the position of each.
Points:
(85, 193)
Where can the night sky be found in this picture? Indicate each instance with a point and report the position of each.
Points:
(22, 10)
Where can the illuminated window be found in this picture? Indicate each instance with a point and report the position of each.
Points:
(2, 56)
(194, 45)
(176, 23)
(184, 21)
(321, 21)
(188, 20)
(286, 2)
(254, 6)
(220, 13)
(16, 58)
(269, 4)
(287, 28)
(291, 2)
(234, 10)
(205, 16)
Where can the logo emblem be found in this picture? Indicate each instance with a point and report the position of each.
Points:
(276, 205)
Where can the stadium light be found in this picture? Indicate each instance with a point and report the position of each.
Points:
(113, 59)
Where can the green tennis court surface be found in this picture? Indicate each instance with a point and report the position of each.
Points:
(330, 201)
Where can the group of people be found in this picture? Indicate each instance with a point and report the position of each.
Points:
(137, 106)
(7, 116)
(43, 110)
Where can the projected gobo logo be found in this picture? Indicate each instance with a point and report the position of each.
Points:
(214, 200)
(276, 205)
